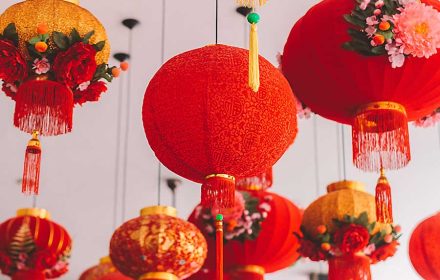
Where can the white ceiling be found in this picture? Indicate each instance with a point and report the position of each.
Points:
(77, 179)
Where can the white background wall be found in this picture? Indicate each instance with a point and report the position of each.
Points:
(77, 177)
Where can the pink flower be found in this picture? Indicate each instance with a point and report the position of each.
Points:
(379, 4)
(371, 20)
(430, 120)
(406, 2)
(395, 54)
(83, 86)
(370, 30)
(397, 60)
(377, 12)
(418, 28)
(41, 66)
(363, 6)
(265, 206)
(369, 249)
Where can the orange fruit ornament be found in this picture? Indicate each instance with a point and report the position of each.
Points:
(41, 47)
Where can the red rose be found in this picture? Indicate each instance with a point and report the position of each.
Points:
(89, 94)
(13, 66)
(384, 252)
(352, 238)
(76, 65)
(42, 260)
(310, 250)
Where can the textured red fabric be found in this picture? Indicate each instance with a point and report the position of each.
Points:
(335, 82)
(424, 248)
(157, 243)
(276, 246)
(47, 235)
(201, 117)
(351, 267)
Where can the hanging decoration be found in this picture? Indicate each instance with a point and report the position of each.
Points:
(429, 120)
(400, 81)
(258, 241)
(210, 131)
(260, 182)
(33, 247)
(205, 274)
(48, 64)
(423, 248)
(105, 270)
(157, 245)
(340, 227)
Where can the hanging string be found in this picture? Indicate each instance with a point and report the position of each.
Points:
(34, 201)
(216, 22)
(344, 160)
(316, 153)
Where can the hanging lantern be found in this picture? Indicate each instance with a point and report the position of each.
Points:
(341, 227)
(105, 270)
(204, 124)
(33, 247)
(260, 182)
(423, 248)
(49, 63)
(259, 241)
(157, 245)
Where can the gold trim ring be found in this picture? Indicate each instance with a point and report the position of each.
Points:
(346, 185)
(159, 210)
(225, 176)
(159, 275)
(381, 105)
(34, 212)
(251, 268)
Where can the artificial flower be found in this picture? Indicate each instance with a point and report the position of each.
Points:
(352, 238)
(310, 250)
(430, 120)
(383, 252)
(43, 260)
(372, 20)
(13, 66)
(90, 94)
(233, 213)
(9, 89)
(364, 4)
(41, 66)
(369, 249)
(418, 28)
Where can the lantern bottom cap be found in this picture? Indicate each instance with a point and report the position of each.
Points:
(159, 276)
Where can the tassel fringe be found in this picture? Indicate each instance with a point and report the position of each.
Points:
(31, 171)
(218, 190)
(45, 106)
(384, 206)
(380, 139)
(251, 3)
(254, 67)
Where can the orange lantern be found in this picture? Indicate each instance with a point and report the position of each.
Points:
(105, 270)
(33, 247)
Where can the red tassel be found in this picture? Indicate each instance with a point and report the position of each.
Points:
(44, 105)
(384, 206)
(380, 137)
(31, 171)
(218, 190)
(219, 246)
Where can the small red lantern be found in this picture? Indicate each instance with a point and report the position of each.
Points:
(424, 248)
(105, 270)
(204, 123)
(267, 243)
(157, 246)
(33, 247)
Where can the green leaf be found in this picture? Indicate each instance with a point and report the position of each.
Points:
(32, 51)
(379, 50)
(88, 36)
(362, 219)
(74, 36)
(34, 40)
(44, 37)
(99, 46)
(10, 33)
(355, 21)
(61, 40)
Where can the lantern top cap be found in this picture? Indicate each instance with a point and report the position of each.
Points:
(346, 185)
(105, 260)
(34, 212)
(159, 210)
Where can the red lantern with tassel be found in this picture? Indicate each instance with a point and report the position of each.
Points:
(424, 248)
(103, 271)
(33, 247)
(266, 245)
(204, 123)
(374, 86)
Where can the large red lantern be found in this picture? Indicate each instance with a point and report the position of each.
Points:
(365, 92)
(424, 248)
(204, 123)
(33, 247)
(158, 246)
(260, 241)
(105, 270)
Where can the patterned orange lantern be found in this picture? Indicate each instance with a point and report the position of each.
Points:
(259, 241)
(48, 63)
(204, 123)
(260, 182)
(103, 271)
(33, 247)
(376, 72)
(423, 248)
(341, 227)
(157, 246)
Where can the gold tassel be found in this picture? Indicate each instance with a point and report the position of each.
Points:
(251, 3)
(254, 67)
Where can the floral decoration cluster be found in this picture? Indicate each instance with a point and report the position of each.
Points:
(430, 120)
(69, 60)
(397, 28)
(243, 222)
(352, 236)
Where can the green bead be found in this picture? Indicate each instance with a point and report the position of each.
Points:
(253, 18)
(219, 217)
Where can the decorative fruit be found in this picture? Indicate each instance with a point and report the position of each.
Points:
(116, 72)
(42, 28)
(378, 39)
(124, 66)
(384, 25)
(326, 246)
(321, 229)
(41, 47)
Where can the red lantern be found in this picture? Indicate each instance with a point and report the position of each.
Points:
(365, 92)
(103, 271)
(33, 247)
(274, 247)
(205, 124)
(157, 246)
(260, 182)
(207, 274)
(424, 249)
